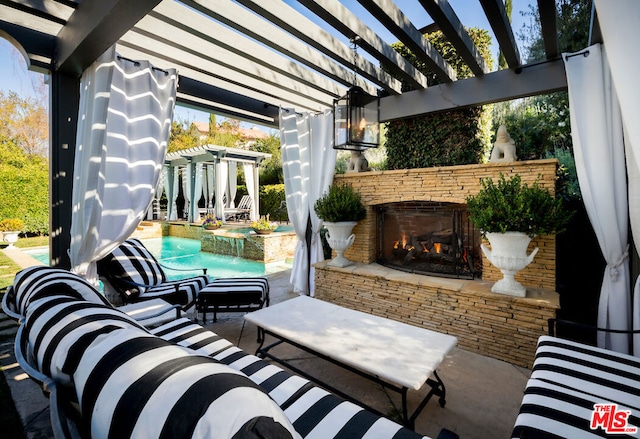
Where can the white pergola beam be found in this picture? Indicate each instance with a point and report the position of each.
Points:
(189, 48)
(248, 23)
(287, 18)
(204, 72)
(216, 41)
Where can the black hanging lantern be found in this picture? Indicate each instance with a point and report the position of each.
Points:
(356, 121)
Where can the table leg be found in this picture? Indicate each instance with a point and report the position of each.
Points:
(437, 389)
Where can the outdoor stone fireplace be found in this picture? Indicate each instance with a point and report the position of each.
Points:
(428, 237)
(459, 304)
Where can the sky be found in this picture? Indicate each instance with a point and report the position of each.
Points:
(16, 77)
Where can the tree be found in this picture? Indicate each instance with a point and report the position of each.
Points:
(540, 125)
(271, 168)
(184, 135)
(25, 121)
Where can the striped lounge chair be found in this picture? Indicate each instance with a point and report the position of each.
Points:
(33, 282)
(110, 377)
(137, 275)
(568, 380)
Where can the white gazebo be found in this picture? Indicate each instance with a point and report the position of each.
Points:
(210, 170)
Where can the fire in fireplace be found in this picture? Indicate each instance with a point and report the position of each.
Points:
(429, 238)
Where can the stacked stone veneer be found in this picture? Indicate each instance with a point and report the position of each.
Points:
(499, 326)
(451, 184)
(495, 325)
(276, 247)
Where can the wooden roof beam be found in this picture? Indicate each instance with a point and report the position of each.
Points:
(450, 25)
(347, 23)
(249, 24)
(503, 85)
(93, 27)
(387, 13)
(547, 10)
(497, 16)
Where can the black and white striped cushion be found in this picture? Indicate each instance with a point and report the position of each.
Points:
(550, 410)
(183, 291)
(131, 263)
(600, 372)
(314, 412)
(59, 328)
(36, 281)
(132, 384)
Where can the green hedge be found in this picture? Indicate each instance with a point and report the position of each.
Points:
(273, 202)
(449, 138)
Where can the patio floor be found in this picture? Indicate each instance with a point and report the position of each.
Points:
(483, 394)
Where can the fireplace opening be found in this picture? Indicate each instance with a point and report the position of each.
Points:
(429, 238)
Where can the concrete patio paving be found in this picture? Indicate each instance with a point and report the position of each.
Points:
(483, 394)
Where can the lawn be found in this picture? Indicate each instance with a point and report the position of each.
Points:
(8, 268)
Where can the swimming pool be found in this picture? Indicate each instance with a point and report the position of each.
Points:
(185, 253)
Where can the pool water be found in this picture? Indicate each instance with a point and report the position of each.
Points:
(184, 253)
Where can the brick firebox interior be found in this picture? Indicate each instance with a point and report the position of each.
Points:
(499, 326)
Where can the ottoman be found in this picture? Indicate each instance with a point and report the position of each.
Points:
(232, 295)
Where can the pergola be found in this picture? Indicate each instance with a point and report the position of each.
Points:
(246, 58)
(215, 160)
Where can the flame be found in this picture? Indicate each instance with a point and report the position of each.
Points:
(396, 244)
(437, 246)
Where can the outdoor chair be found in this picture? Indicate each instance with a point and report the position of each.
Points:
(32, 282)
(136, 275)
(241, 212)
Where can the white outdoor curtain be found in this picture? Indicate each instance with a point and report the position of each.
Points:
(172, 182)
(211, 188)
(187, 178)
(323, 158)
(306, 143)
(596, 128)
(197, 193)
(124, 122)
(155, 204)
(233, 183)
(250, 181)
(619, 26)
(221, 173)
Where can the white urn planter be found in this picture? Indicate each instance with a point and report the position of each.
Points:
(509, 254)
(340, 238)
(11, 237)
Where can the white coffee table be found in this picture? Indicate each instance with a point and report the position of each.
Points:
(394, 354)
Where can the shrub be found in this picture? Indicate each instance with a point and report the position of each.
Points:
(513, 206)
(340, 203)
(11, 225)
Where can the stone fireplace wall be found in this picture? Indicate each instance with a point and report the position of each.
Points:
(495, 325)
(451, 184)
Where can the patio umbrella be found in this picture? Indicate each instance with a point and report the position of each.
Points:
(126, 108)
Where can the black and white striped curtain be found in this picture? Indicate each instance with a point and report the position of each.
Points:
(126, 109)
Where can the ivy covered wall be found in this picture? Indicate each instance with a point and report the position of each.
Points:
(443, 139)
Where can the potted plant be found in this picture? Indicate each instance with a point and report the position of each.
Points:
(264, 226)
(10, 229)
(340, 208)
(509, 214)
(211, 222)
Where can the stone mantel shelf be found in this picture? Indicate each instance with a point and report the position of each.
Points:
(535, 296)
